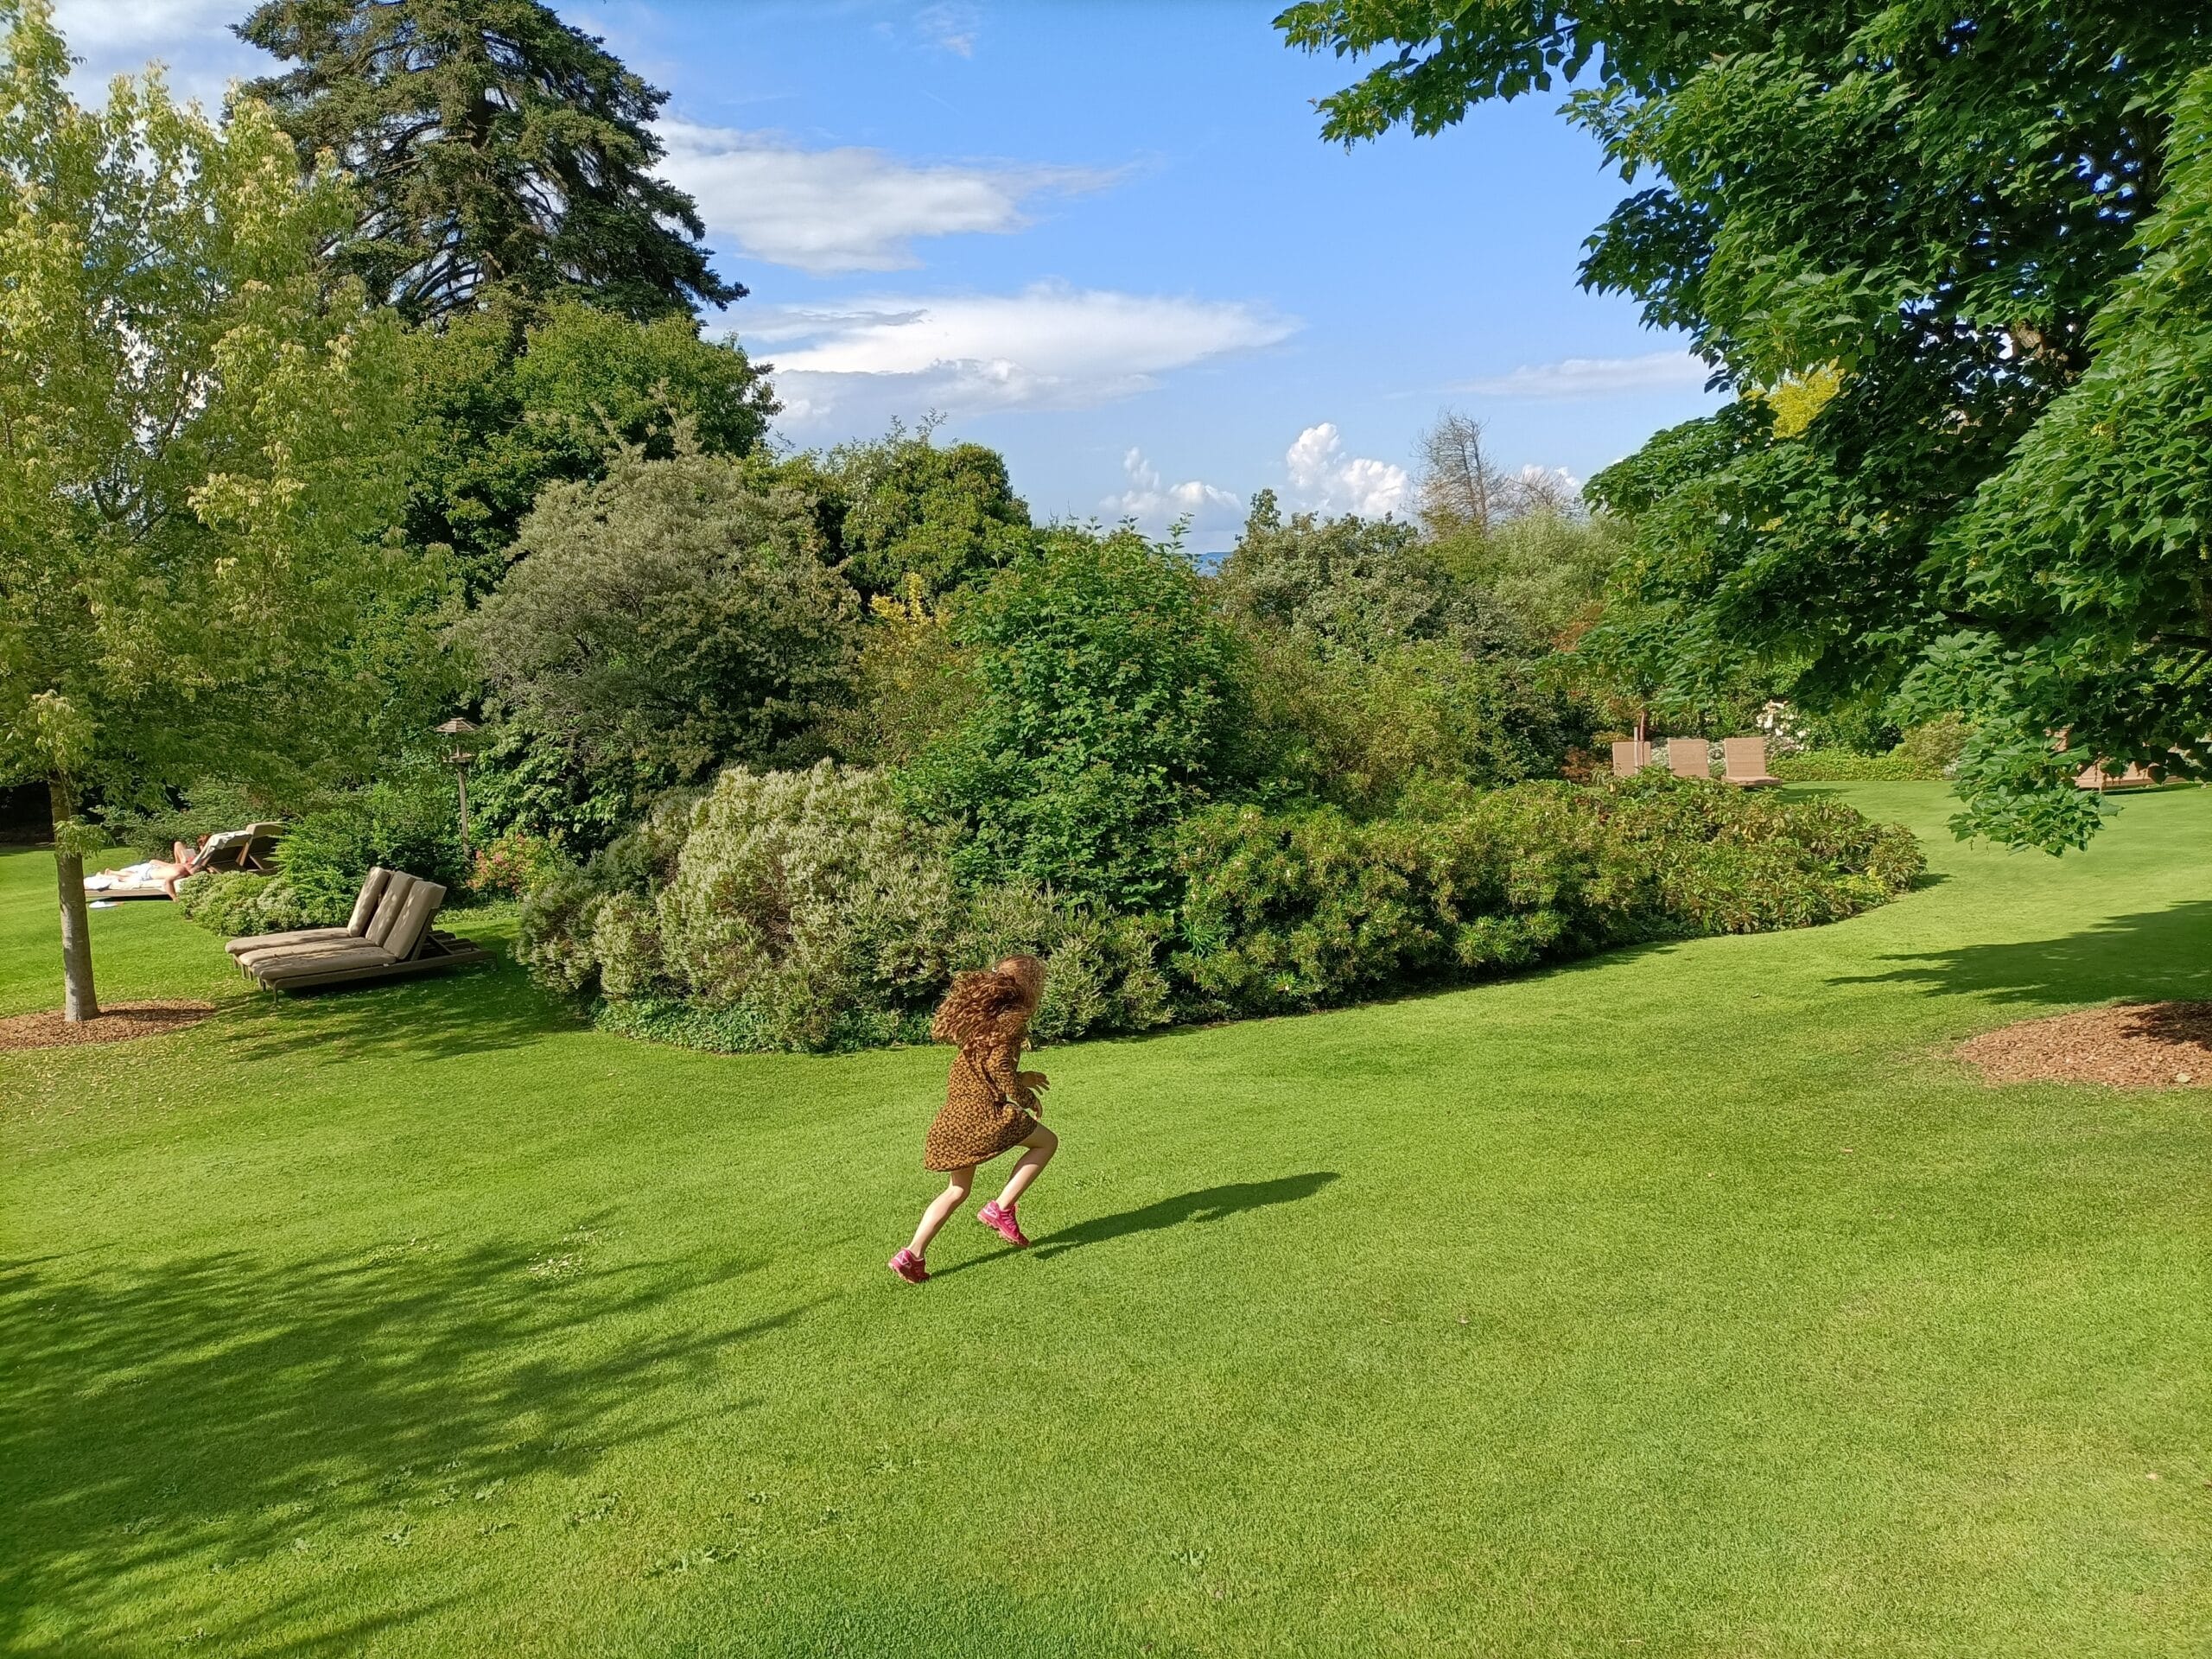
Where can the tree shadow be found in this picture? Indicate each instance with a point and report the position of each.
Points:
(2154, 955)
(471, 1010)
(229, 1405)
(1208, 1204)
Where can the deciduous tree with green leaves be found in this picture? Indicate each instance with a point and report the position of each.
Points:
(197, 455)
(1893, 227)
(496, 149)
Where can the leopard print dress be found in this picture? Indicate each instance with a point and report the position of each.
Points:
(987, 1107)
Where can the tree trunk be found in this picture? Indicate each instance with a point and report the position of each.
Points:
(78, 1000)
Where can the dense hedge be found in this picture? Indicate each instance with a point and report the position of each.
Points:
(1844, 767)
(807, 911)
(1298, 910)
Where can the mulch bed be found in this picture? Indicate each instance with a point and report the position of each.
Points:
(119, 1022)
(2129, 1046)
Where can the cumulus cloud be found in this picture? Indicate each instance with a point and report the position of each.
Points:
(848, 208)
(1155, 506)
(1595, 376)
(1049, 346)
(1325, 479)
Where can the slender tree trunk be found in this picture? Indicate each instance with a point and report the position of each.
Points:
(78, 1000)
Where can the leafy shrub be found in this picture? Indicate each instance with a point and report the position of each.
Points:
(1845, 767)
(234, 903)
(1360, 732)
(1936, 747)
(1107, 971)
(806, 910)
(1301, 910)
(409, 821)
(1110, 705)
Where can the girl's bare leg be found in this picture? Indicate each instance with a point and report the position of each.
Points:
(1042, 1143)
(955, 1194)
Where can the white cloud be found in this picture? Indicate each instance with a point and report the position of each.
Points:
(192, 37)
(848, 208)
(1049, 346)
(949, 26)
(1595, 376)
(1325, 479)
(1156, 506)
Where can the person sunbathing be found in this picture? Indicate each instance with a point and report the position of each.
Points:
(166, 873)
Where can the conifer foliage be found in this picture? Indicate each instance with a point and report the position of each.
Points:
(495, 148)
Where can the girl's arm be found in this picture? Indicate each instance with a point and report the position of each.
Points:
(999, 1057)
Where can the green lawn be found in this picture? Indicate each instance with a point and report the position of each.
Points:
(1684, 1301)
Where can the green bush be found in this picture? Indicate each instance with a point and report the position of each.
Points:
(1845, 767)
(1302, 910)
(234, 903)
(410, 822)
(1110, 705)
(807, 911)
(804, 910)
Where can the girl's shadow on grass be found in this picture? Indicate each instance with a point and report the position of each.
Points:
(1208, 1204)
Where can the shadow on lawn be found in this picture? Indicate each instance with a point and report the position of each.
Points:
(468, 1011)
(1208, 1204)
(2153, 956)
(223, 1410)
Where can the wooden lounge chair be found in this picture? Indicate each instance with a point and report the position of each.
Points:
(399, 943)
(1689, 757)
(2094, 776)
(1743, 762)
(365, 912)
(1630, 757)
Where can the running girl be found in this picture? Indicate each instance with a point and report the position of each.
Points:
(988, 1106)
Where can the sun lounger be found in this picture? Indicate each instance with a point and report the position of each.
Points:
(400, 941)
(1630, 757)
(1689, 757)
(381, 916)
(2094, 776)
(1743, 762)
(365, 912)
(131, 881)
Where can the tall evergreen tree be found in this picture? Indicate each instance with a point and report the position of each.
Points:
(495, 149)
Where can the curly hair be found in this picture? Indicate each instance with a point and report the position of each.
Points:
(973, 1005)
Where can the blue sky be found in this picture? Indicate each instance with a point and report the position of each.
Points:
(1107, 239)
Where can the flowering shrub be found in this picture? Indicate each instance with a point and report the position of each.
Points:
(515, 862)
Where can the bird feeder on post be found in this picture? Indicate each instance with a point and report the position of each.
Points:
(459, 761)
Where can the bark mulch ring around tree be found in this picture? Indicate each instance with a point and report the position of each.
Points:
(119, 1022)
(2129, 1046)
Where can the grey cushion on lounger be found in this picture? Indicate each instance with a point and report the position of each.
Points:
(396, 895)
(364, 909)
(360, 957)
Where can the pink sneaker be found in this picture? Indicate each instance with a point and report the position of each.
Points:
(908, 1266)
(1002, 1222)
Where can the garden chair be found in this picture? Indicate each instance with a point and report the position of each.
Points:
(1743, 762)
(379, 918)
(365, 912)
(1689, 757)
(1630, 757)
(2094, 776)
(400, 943)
